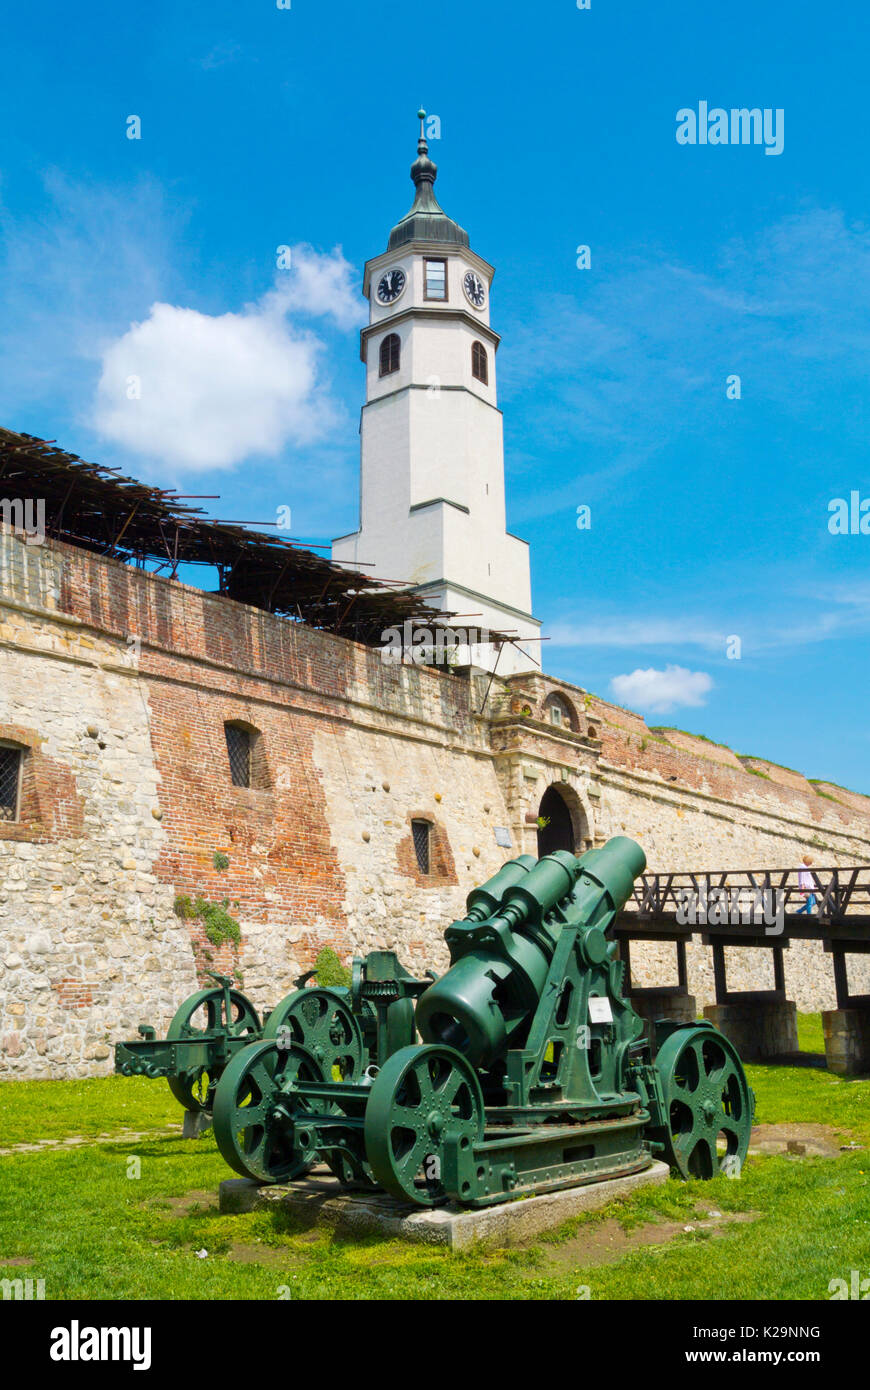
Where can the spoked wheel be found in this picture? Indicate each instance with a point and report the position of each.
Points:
(321, 1021)
(419, 1097)
(254, 1140)
(198, 1016)
(708, 1103)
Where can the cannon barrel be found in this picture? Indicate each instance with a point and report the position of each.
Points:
(485, 1002)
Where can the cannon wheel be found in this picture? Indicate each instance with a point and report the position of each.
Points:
(708, 1103)
(195, 1088)
(419, 1096)
(249, 1136)
(321, 1021)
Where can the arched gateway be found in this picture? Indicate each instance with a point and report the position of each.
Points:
(562, 821)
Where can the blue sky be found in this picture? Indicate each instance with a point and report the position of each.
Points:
(264, 127)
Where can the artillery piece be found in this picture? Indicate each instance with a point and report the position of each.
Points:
(533, 1073)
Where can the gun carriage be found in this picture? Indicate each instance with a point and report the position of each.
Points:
(534, 1072)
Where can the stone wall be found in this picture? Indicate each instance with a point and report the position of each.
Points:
(117, 685)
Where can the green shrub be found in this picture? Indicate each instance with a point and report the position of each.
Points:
(329, 969)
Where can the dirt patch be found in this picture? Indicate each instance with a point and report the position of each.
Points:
(255, 1253)
(71, 1141)
(19, 1261)
(183, 1206)
(606, 1242)
(798, 1140)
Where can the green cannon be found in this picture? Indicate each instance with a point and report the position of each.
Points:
(534, 1072)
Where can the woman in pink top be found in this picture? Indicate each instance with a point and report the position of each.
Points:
(806, 884)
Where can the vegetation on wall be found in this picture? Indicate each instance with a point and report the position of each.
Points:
(219, 925)
(329, 969)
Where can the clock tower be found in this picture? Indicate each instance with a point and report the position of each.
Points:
(432, 507)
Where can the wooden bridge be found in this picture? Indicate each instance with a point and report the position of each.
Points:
(757, 908)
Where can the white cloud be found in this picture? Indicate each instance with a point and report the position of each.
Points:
(660, 691)
(207, 391)
(321, 286)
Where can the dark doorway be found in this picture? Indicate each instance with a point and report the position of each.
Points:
(558, 833)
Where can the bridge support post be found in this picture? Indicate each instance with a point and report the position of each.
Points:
(847, 1028)
(847, 1040)
(761, 1023)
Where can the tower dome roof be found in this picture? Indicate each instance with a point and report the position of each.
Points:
(427, 220)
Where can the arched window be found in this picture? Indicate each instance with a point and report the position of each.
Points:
(560, 712)
(479, 364)
(391, 349)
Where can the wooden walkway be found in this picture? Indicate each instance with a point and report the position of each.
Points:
(752, 907)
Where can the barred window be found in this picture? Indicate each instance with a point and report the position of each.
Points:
(391, 349)
(239, 752)
(420, 829)
(479, 365)
(10, 783)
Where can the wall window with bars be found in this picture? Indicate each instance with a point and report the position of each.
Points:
(391, 354)
(435, 286)
(479, 364)
(239, 751)
(10, 783)
(421, 831)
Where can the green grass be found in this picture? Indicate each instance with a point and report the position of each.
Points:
(92, 1231)
(32, 1110)
(811, 1037)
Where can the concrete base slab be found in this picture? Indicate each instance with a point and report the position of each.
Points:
(321, 1200)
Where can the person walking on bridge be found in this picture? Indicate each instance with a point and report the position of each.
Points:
(806, 887)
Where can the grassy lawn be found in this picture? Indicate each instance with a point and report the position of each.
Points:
(92, 1231)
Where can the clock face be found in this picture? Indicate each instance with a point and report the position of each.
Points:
(391, 285)
(475, 289)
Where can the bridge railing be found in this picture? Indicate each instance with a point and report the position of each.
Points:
(837, 891)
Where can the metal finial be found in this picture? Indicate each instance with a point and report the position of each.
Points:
(422, 144)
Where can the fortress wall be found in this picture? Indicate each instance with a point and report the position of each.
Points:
(118, 683)
(89, 941)
(124, 682)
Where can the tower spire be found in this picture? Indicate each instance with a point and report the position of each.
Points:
(427, 220)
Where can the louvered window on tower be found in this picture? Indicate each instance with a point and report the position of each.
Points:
(10, 782)
(391, 350)
(420, 830)
(239, 751)
(479, 366)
